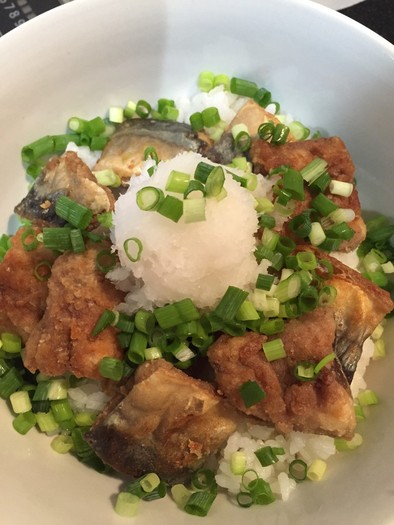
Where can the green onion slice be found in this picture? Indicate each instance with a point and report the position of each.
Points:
(251, 393)
(298, 470)
(133, 248)
(149, 198)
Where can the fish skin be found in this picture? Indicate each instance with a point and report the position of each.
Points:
(65, 175)
(162, 421)
(359, 306)
(124, 152)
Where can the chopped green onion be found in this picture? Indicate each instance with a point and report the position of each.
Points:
(263, 97)
(210, 117)
(272, 326)
(321, 183)
(316, 235)
(144, 321)
(171, 208)
(247, 312)
(24, 422)
(137, 347)
(111, 368)
(316, 470)
(306, 260)
(312, 171)
(177, 182)
(222, 80)
(293, 182)
(29, 240)
(323, 205)
(194, 210)
(298, 470)
(57, 239)
(379, 349)
(196, 121)
(341, 231)
(206, 80)
(46, 422)
(215, 182)
(266, 456)
(327, 295)
(61, 410)
(62, 444)
(106, 319)
(202, 171)
(244, 88)
(143, 108)
(127, 504)
(265, 281)
(274, 349)
(199, 503)
(367, 397)
(11, 343)
(264, 205)
(133, 248)
(323, 362)
(230, 303)
(345, 445)
(308, 299)
(280, 134)
(305, 371)
(37, 149)
(73, 212)
(116, 114)
(238, 462)
(105, 260)
(301, 224)
(267, 221)
(180, 494)
(338, 187)
(149, 482)
(77, 241)
(251, 393)
(10, 382)
(107, 177)
(149, 198)
(244, 499)
(288, 288)
(298, 130)
(203, 479)
(20, 402)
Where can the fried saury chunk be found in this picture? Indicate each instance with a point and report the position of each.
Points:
(322, 406)
(66, 175)
(359, 306)
(77, 295)
(266, 156)
(22, 295)
(167, 423)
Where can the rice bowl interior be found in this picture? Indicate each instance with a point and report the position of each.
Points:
(155, 72)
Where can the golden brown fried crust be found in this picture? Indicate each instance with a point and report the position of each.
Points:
(22, 295)
(61, 341)
(322, 406)
(266, 156)
(167, 422)
(358, 308)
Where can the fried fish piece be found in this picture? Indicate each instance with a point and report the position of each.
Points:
(22, 295)
(266, 156)
(124, 152)
(77, 295)
(66, 175)
(358, 308)
(167, 423)
(323, 406)
(252, 115)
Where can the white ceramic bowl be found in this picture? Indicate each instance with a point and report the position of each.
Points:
(328, 71)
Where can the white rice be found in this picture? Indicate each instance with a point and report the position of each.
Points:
(87, 397)
(296, 445)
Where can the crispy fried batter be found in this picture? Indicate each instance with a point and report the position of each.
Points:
(266, 156)
(167, 423)
(61, 341)
(66, 175)
(359, 307)
(322, 406)
(22, 295)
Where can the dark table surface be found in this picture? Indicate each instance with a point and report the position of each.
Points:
(378, 15)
